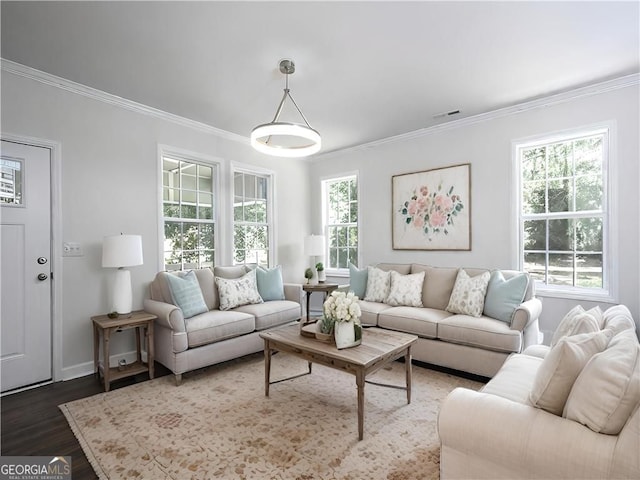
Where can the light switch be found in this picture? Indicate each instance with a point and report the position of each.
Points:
(72, 249)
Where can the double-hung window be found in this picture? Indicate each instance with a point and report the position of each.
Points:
(564, 217)
(252, 224)
(340, 218)
(188, 210)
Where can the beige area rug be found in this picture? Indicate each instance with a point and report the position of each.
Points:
(219, 424)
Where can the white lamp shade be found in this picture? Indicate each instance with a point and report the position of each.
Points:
(122, 251)
(314, 245)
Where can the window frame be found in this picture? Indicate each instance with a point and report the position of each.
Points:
(608, 292)
(324, 183)
(200, 159)
(271, 202)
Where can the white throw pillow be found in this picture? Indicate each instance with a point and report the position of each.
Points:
(618, 318)
(576, 321)
(561, 367)
(468, 294)
(238, 291)
(405, 289)
(378, 284)
(607, 391)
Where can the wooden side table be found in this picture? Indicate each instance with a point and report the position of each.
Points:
(105, 325)
(325, 288)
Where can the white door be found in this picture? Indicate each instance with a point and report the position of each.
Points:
(25, 265)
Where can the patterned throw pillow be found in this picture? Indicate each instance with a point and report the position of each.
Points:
(378, 284)
(186, 293)
(238, 291)
(405, 289)
(468, 293)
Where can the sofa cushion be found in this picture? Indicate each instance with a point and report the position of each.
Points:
(618, 318)
(208, 287)
(607, 390)
(405, 289)
(576, 321)
(270, 284)
(468, 294)
(238, 291)
(401, 268)
(233, 271)
(514, 380)
(504, 296)
(438, 285)
(561, 367)
(418, 321)
(186, 293)
(216, 325)
(369, 312)
(378, 283)
(483, 332)
(358, 280)
(272, 313)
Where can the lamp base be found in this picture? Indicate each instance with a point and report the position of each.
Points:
(122, 301)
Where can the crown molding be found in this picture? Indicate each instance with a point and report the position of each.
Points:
(586, 91)
(95, 94)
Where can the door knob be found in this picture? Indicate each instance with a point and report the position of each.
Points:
(43, 276)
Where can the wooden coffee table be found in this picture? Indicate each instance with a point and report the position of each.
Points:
(378, 348)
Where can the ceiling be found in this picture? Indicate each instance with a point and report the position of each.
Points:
(365, 71)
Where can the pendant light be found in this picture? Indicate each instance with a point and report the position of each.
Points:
(284, 139)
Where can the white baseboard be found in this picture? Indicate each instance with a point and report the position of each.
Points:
(84, 369)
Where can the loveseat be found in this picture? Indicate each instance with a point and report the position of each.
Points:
(416, 300)
(210, 316)
(566, 411)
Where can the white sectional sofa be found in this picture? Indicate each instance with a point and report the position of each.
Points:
(215, 335)
(477, 345)
(508, 430)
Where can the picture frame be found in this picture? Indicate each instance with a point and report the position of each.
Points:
(431, 209)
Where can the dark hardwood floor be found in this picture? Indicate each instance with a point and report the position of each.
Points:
(32, 423)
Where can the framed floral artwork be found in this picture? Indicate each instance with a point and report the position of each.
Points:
(432, 209)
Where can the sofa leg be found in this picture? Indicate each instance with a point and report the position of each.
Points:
(178, 377)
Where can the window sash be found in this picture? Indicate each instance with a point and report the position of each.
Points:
(338, 254)
(572, 213)
(188, 208)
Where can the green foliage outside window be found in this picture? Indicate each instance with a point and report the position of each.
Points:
(563, 211)
(341, 222)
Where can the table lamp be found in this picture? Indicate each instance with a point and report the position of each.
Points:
(314, 247)
(121, 251)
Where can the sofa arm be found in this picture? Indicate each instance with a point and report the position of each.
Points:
(293, 292)
(527, 313)
(169, 316)
(487, 436)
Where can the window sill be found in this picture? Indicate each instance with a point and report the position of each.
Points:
(575, 294)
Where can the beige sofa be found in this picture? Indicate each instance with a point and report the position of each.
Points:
(477, 345)
(499, 433)
(214, 336)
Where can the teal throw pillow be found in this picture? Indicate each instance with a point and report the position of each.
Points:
(270, 285)
(358, 280)
(186, 293)
(504, 296)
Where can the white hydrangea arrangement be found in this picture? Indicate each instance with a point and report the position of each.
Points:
(342, 307)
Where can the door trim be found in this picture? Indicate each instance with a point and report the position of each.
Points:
(56, 244)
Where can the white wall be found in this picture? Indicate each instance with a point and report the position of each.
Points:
(487, 145)
(109, 185)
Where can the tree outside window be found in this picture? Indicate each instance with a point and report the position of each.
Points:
(340, 198)
(189, 214)
(563, 211)
(251, 222)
